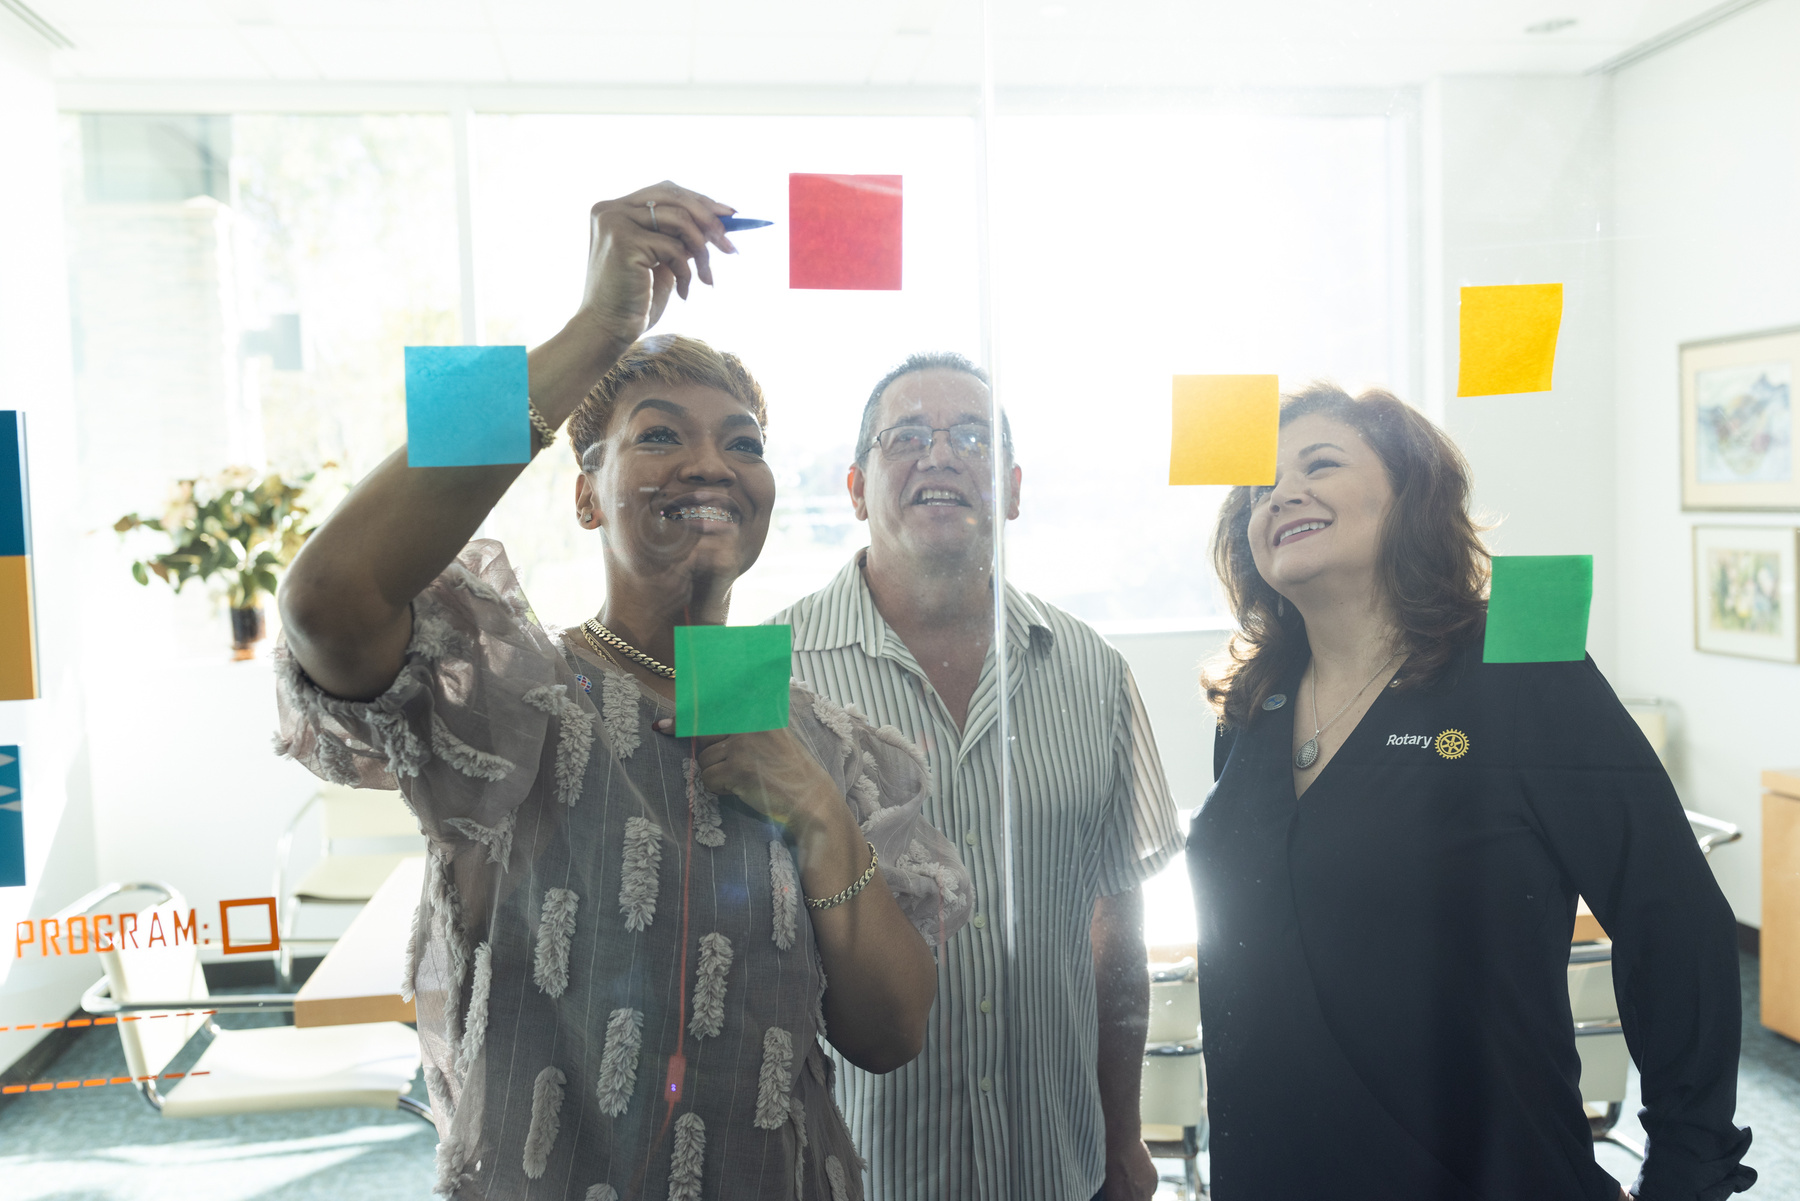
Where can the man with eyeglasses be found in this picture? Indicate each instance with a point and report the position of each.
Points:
(1027, 1086)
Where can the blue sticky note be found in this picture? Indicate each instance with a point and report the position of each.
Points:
(12, 821)
(466, 406)
(15, 528)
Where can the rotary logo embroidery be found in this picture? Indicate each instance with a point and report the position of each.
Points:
(1451, 744)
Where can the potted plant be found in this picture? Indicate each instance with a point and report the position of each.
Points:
(240, 526)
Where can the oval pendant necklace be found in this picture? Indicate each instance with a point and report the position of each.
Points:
(1308, 754)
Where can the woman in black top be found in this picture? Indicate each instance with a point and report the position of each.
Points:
(1387, 867)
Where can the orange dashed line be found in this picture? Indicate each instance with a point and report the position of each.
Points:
(75, 1023)
(97, 1082)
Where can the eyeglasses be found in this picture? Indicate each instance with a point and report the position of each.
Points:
(903, 443)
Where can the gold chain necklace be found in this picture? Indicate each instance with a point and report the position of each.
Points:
(592, 630)
(600, 649)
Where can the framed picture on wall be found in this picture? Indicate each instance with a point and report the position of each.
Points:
(1737, 422)
(1744, 591)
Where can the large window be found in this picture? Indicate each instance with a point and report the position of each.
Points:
(265, 324)
(244, 287)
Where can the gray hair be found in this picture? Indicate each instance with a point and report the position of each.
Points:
(942, 360)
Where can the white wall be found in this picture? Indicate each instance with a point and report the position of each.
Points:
(34, 377)
(1708, 209)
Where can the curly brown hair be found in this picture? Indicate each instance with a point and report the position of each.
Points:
(667, 359)
(1433, 565)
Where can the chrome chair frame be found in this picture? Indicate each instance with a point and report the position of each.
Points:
(98, 999)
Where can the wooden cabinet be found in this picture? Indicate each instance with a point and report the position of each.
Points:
(1781, 902)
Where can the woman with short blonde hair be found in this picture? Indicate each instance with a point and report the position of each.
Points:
(629, 947)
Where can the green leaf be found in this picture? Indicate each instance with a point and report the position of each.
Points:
(139, 574)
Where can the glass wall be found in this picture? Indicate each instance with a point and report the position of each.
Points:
(992, 561)
(260, 324)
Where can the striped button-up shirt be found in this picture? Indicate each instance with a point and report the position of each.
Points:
(1004, 1101)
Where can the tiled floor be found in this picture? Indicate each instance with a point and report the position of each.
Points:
(106, 1144)
(1768, 1103)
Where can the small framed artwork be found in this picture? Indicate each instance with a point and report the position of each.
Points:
(1737, 422)
(1744, 591)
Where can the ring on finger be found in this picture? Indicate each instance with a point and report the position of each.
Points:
(651, 205)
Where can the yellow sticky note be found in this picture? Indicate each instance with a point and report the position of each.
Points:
(1225, 429)
(1508, 338)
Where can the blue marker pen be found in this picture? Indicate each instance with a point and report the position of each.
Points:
(733, 224)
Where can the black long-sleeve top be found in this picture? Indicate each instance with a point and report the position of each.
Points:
(1384, 997)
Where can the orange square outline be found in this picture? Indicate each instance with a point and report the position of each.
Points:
(274, 943)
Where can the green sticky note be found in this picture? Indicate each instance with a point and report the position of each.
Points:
(732, 679)
(1538, 609)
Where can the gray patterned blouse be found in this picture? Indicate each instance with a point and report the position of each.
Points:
(617, 986)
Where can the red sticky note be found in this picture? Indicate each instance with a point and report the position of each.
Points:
(844, 232)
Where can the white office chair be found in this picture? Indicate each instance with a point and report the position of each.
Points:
(1600, 1040)
(1172, 1099)
(351, 815)
(158, 995)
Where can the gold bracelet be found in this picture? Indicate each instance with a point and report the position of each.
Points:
(543, 429)
(840, 898)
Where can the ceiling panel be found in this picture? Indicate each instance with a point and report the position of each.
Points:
(609, 58)
(594, 16)
(164, 52)
(412, 15)
(279, 53)
(927, 42)
(404, 55)
(776, 59)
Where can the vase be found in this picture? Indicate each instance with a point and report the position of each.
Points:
(247, 629)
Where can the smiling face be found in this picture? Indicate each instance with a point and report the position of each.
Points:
(679, 484)
(938, 505)
(1320, 526)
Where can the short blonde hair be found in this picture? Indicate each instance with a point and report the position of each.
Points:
(668, 359)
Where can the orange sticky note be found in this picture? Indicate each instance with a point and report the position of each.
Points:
(1225, 428)
(1508, 339)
